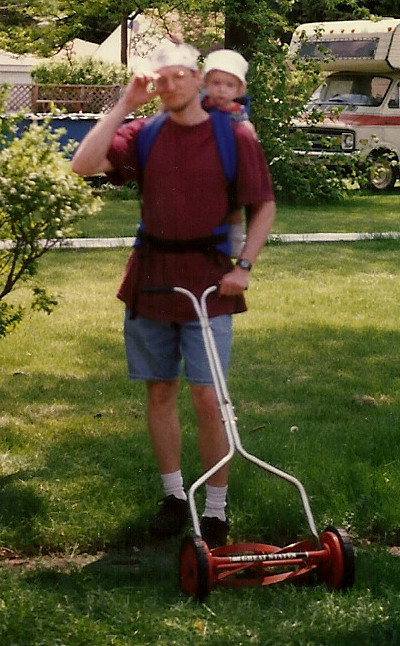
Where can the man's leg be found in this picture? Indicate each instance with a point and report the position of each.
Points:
(165, 436)
(162, 415)
(152, 350)
(213, 446)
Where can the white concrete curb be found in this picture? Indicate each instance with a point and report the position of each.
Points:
(104, 243)
(81, 243)
(333, 237)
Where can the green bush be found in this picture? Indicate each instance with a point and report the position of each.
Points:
(82, 71)
(41, 199)
(86, 71)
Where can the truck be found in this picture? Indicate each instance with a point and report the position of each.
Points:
(359, 98)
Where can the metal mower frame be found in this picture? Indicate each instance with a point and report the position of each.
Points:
(330, 555)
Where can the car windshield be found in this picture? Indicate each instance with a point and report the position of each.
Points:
(351, 89)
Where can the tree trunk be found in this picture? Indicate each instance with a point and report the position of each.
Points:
(239, 30)
(237, 36)
(124, 40)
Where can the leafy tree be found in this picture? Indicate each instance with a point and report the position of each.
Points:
(303, 11)
(252, 24)
(44, 27)
(390, 8)
(41, 199)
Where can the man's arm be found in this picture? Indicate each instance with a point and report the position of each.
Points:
(258, 228)
(91, 156)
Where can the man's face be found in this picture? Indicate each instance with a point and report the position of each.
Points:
(177, 86)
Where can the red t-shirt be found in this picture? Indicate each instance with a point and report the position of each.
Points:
(184, 195)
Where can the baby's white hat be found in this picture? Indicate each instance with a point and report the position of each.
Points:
(226, 60)
(168, 54)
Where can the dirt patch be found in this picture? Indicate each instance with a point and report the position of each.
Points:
(112, 561)
(51, 562)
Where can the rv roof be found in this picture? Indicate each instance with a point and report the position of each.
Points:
(339, 27)
(352, 45)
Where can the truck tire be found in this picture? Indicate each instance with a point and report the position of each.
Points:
(383, 172)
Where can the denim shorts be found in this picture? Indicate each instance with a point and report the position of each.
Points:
(155, 350)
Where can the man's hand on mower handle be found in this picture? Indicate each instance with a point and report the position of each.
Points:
(235, 282)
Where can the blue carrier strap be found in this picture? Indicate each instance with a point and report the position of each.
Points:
(226, 143)
(245, 101)
(146, 137)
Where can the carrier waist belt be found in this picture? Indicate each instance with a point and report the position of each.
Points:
(168, 245)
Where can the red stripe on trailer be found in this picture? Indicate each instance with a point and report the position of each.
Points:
(369, 119)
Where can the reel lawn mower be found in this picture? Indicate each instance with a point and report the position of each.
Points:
(329, 555)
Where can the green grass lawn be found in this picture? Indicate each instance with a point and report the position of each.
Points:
(117, 218)
(318, 349)
(360, 212)
(363, 212)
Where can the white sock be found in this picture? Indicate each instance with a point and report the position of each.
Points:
(215, 502)
(173, 484)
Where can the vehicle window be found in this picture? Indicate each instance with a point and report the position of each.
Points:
(365, 89)
(394, 99)
(341, 49)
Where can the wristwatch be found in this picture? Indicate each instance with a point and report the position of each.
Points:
(243, 263)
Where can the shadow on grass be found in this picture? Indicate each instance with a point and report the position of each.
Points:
(21, 504)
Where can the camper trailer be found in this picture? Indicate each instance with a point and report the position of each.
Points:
(360, 96)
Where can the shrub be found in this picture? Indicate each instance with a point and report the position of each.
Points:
(81, 71)
(41, 199)
(85, 71)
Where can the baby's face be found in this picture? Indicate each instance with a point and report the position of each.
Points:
(222, 87)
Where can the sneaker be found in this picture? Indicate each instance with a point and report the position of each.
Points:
(214, 531)
(170, 518)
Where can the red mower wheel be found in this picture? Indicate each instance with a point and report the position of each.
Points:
(195, 568)
(338, 571)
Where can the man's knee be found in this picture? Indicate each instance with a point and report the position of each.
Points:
(205, 400)
(162, 393)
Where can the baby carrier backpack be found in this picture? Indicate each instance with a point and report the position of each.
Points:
(226, 145)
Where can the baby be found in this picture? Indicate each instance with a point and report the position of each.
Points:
(224, 83)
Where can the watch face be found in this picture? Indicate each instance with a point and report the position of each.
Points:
(244, 264)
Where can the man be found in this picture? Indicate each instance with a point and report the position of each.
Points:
(185, 198)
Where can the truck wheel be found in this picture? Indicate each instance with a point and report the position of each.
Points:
(383, 172)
